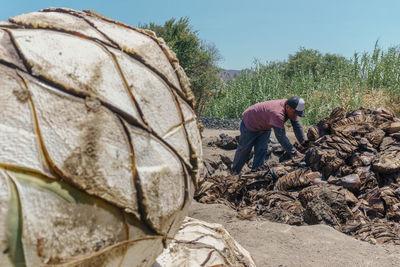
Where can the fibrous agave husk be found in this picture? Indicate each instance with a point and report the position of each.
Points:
(294, 180)
(389, 156)
(326, 204)
(378, 232)
(281, 206)
(100, 149)
(199, 243)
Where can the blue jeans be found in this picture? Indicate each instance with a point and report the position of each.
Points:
(247, 140)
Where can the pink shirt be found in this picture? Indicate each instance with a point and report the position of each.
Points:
(265, 115)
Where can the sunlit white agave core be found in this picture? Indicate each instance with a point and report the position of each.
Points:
(99, 143)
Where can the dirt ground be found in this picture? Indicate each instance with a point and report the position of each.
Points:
(282, 245)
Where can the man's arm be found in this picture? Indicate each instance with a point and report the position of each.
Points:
(280, 134)
(298, 131)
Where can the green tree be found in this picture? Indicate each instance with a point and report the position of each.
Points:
(198, 58)
(305, 61)
(310, 62)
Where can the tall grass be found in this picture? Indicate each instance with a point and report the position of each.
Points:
(324, 81)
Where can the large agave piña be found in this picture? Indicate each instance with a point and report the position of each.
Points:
(99, 144)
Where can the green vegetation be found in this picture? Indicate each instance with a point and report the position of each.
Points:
(197, 58)
(324, 81)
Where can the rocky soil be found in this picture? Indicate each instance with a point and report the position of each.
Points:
(220, 124)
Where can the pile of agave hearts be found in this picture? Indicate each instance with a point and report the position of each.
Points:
(349, 179)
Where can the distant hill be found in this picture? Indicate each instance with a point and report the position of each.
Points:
(227, 75)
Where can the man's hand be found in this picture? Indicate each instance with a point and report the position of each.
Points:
(296, 154)
(301, 146)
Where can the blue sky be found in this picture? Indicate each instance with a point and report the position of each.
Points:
(254, 29)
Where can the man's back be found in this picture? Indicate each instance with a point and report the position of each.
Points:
(265, 115)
